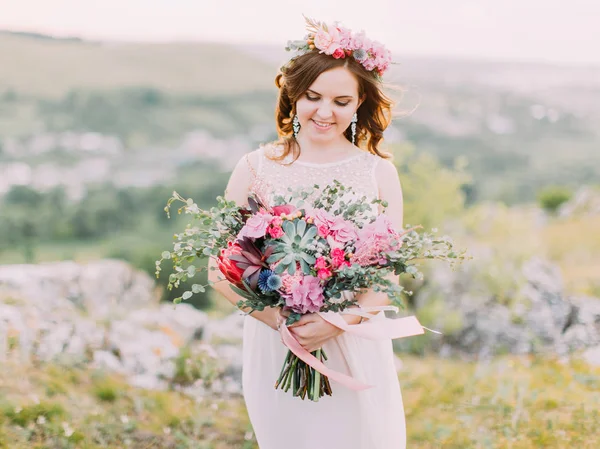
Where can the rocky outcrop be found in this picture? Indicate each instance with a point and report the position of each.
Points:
(104, 313)
(535, 317)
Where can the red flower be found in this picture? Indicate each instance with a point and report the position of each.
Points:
(339, 53)
(228, 267)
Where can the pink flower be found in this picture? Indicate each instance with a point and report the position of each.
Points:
(283, 209)
(322, 217)
(306, 296)
(323, 231)
(325, 273)
(321, 263)
(256, 226)
(374, 240)
(339, 53)
(275, 232)
(345, 263)
(327, 41)
(276, 221)
(333, 243)
(343, 230)
(289, 280)
(337, 257)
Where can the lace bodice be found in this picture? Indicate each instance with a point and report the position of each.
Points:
(273, 178)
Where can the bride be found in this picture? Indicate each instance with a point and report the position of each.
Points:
(330, 117)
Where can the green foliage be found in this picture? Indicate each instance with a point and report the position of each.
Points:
(195, 365)
(432, 193)
(105, 389)
(23, 416)
(552, 197)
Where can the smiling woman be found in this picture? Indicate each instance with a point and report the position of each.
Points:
(330, 117)
(325, 93)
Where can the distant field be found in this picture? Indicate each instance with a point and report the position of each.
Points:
(51, 68)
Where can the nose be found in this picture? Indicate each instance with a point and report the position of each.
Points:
(324, 111)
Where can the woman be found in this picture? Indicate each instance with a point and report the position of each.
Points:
(331, 115)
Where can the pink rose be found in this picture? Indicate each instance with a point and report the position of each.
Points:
(337, 257)
(345, 263)
(325, 273)
(256, 226)
(343, 230)
(275, 232)
(322, 217)
(327, 41)
(338, 53)
(321, 263)
(306, 296)
(323, 231)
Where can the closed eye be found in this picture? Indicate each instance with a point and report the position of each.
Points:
(339, 103)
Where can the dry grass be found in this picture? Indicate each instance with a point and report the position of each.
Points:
(510, 402)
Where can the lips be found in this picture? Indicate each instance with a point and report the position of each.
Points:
(322, 125)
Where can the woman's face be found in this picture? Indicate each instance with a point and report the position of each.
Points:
(325, 110)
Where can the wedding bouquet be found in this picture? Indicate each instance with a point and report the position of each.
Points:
(304, 256)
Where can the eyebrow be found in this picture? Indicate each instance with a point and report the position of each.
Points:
(339, 96)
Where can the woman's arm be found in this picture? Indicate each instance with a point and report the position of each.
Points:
(390, 190)
(237, 190)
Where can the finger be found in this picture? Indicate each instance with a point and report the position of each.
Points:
(305, 319)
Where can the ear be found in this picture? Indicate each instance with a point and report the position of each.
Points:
(360, 100)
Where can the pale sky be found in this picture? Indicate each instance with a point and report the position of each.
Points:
(538, 30)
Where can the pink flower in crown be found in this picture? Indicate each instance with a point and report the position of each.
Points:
(256, 226)
(339, 54)
(345, 38)
(342, 230)
(357, 41)
(369, 64)
(306, 296)
(327, 41)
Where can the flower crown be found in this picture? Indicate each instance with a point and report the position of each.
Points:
(340, 43)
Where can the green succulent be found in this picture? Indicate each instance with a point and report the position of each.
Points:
(292, 247)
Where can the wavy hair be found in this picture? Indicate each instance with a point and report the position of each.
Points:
(374, 114)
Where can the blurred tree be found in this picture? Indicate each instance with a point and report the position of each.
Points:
(552, 197)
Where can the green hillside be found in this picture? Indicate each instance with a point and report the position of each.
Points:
(52, 67)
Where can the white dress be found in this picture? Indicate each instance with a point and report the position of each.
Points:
(368, 419)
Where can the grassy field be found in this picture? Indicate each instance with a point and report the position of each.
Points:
(516, 403)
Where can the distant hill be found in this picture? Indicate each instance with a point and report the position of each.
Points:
(44, 66)
(521, 126)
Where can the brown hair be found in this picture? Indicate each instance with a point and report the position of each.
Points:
(374, 114)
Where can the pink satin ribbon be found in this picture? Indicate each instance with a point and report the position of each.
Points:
(380, 330)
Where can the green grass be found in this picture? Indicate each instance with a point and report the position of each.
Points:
(510, 402)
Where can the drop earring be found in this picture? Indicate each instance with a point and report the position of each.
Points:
(296, 126)
(353, 127)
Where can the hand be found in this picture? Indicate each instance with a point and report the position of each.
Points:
(311, 330)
